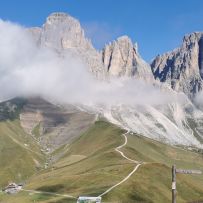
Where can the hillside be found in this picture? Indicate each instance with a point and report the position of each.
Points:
(53, 125)
(101, 123)
(90, 166)
(28, 129)
(20, 155)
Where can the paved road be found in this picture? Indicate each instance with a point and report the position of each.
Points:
(138, 164)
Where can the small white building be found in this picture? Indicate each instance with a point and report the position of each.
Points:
(12, 188)
(89, 200)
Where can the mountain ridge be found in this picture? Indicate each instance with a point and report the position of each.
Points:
(181, 69)
(62, 32)
(59, 147)
(177, 72)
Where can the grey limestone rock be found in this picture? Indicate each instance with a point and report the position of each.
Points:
(182, 68)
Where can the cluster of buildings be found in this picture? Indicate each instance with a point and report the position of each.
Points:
(12, 188)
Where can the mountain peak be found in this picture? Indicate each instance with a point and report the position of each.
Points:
(60, 32)
(57, 15)
(60, 17)
(124, 38)
(63, 33)
(121, 58)
(182, 68)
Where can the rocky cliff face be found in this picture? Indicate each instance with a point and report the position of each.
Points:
(52, 125)
(63, 33)
(121, 58)
(182, 68)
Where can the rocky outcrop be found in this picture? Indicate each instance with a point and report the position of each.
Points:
(200, 57)
(121, 58)
(182, 68)
(56, 125)
(30, 119)
(63, 33)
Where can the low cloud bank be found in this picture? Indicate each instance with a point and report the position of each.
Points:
(27, 70)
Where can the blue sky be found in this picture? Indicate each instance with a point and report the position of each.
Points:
(157, 25)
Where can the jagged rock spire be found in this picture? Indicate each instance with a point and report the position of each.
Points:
(182, 67)
(121, 58)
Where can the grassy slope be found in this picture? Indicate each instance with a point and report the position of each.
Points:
(19, 155)
(90, 166)
(152, 182)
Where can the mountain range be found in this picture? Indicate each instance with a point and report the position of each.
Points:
(181, 68)
(178, 72)
(142, 119)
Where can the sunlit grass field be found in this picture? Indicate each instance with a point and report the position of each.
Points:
(90, 165)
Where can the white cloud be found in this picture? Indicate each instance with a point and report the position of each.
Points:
(27, 70)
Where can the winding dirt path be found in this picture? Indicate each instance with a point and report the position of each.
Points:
(117, 149)
(138, 164)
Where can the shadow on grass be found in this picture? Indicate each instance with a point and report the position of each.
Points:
(64, 200)
(40, 197)
(51, 188)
